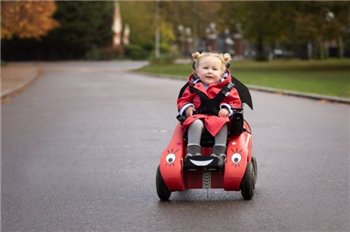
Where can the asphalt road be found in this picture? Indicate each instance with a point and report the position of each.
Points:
(80, 148)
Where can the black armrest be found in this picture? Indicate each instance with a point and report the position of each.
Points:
(237, 123)
(181, 118)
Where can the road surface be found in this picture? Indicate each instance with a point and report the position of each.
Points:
(80, 148)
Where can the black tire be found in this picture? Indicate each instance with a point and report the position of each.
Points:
(162, 189)
(247, 184)
(255, 168)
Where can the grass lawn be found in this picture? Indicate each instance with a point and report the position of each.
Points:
(328, 77)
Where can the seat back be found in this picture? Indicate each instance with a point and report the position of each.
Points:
(243, 92)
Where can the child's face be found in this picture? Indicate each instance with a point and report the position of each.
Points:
(210, 70)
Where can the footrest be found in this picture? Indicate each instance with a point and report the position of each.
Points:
(202, 161)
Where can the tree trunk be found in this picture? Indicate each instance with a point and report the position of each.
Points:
(303, 51)
(340, 47)
(321, 44)
(260, 56)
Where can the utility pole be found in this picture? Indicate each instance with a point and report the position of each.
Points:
(157, 30)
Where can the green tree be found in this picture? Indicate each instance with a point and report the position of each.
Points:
(259, 22)
(292, 23)
(140, 16)
(84, 26)
(196, 15)
(327, 21)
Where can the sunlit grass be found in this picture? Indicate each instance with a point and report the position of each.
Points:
(329, 77)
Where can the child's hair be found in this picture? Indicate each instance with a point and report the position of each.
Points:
(225, 58)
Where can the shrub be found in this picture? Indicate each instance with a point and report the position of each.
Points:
(136, 52)
(93, 54)
(261, 57)
(163, 60)
(164, 48)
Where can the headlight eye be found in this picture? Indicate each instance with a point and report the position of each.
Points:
(236, 158)
(170, 158)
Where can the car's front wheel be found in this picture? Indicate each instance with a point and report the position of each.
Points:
(162, 189)
(247, 184)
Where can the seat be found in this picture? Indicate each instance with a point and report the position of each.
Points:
(236, 128)
(237, 119)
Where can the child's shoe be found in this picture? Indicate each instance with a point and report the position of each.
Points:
(219, 152)
(193, 150)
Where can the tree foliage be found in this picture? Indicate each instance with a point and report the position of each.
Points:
(317, 22)
(27, 19)
(260, 22)
(299, 22)
(140, 16)
(196, 15)
(85, 26)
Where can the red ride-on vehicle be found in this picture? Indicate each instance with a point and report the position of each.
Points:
(239, 172)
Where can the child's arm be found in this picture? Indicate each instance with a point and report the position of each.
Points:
(189, 111)
(224, 112)
(229, 103)
(184, 103)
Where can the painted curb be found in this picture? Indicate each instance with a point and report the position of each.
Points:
(32, 76)
(299, 94)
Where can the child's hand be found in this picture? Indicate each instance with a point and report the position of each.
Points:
(189, 111)
(223, 112)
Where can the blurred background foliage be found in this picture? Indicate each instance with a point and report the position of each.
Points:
(18, 18)
(83, 29)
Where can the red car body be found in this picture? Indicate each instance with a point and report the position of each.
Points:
(239, 172)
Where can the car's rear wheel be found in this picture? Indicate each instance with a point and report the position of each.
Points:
(247, 184)
(255, 168)
(162, 189)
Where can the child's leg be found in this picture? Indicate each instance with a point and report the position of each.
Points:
(219, 149)
(195, 131)
(221, 137)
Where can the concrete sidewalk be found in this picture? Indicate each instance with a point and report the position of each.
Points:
(15, 76)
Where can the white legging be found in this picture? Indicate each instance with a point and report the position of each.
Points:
(195, 131)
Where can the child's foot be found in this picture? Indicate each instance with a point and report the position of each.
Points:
(221, 157)
(219, 152)
(193, 150)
